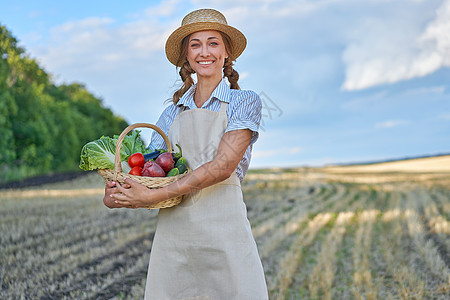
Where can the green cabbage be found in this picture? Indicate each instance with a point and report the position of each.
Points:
(99, 154)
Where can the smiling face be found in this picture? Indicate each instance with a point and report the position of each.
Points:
(206, 53)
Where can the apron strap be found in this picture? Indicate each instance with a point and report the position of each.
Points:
(223, 108)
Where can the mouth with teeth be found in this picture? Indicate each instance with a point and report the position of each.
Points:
(206, 62)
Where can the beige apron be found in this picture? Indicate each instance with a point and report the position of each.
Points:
(204, 248)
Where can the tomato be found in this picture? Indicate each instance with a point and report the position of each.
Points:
(136, 159)
(136, 171)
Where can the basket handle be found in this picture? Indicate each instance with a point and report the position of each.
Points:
(117, 164)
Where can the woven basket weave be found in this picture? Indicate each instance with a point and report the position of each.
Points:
(150, 182)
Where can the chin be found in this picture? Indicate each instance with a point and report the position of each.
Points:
(209, 74)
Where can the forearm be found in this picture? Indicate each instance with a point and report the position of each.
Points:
(206, 175)
(229, 153)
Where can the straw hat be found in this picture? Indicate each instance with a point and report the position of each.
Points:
(203, 19)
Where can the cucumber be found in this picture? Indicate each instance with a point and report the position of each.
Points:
(173, 172)
(181, 165)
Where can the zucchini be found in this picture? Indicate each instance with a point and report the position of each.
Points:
(152, 155)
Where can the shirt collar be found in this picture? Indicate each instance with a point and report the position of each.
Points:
(221, 92)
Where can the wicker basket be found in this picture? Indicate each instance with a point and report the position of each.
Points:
(150, 182)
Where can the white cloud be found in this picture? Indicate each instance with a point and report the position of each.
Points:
(243, 75)
(94, 43)
(426, 90)
(444, 116)
(34, 13)
(391, 123)
(265, 10)
(122, 63)
(388, 50)
(33, 37)
(436, 38)
(380, 50)
(275, 152)
(165, 8)
(364, 102)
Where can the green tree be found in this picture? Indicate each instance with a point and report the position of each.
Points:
(44, 126)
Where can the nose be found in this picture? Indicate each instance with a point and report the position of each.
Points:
(205, 51)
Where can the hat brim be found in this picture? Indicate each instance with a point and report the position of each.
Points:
(173, 44)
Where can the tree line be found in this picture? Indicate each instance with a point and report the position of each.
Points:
(43, 126)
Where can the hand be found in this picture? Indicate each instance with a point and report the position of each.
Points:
(111, 188)
(132, 195)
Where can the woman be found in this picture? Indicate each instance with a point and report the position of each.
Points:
(203, 248)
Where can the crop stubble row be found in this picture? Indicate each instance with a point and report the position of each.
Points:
(316, 239)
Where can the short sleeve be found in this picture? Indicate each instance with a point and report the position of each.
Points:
(245, 113)
(164, 122)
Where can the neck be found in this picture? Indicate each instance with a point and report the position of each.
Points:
(205, 87)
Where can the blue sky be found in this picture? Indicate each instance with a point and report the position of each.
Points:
(341, 80)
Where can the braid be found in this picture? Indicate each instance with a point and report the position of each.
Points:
(185, 74)
(231, 74)
(228, 71)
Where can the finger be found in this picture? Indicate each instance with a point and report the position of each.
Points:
(111, 184)
(123, 203)
(131, 182)
(120, 197)
(120, 189)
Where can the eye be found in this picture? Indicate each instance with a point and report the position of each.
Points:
(214, 43)
(195, 45)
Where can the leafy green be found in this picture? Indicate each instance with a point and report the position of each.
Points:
(132, 143)
(99, 154)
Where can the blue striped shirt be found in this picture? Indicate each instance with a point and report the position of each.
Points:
(243, 112)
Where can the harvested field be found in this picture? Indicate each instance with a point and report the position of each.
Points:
(330, 233)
